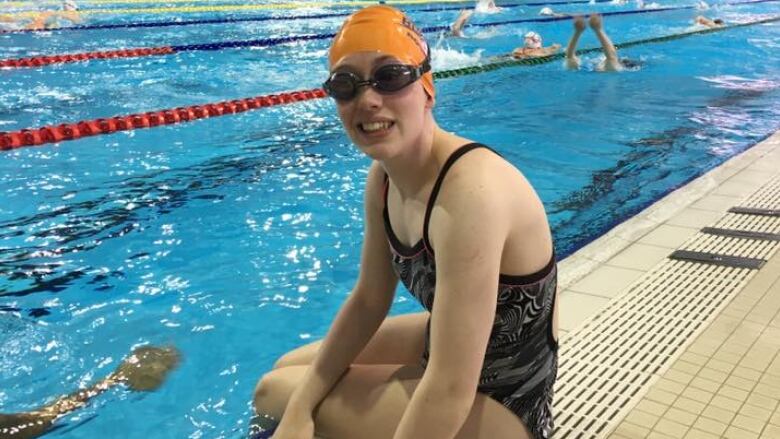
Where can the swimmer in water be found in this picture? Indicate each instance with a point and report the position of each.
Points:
(548, 12)
(144, 370)
(706, 22)
(532, 47)
(450, 219)
(486, 6)
(611, 62)
(44, 20)
(456, 30)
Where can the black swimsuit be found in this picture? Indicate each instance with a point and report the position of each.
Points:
(522, 355)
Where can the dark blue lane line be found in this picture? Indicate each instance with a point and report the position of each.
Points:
(259, 18)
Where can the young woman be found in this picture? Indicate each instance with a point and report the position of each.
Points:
(452, 220)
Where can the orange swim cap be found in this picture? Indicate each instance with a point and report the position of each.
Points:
(382, 29)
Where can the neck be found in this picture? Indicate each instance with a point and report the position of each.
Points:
(415, 172)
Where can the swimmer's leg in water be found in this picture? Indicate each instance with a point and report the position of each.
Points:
(572, 61)
(144, 370)
(612, 63)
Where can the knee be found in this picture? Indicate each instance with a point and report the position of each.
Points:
(297, 357)
(262, 398)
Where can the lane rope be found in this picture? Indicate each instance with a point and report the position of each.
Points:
(148, 24)
(44, 60)
(72, 131)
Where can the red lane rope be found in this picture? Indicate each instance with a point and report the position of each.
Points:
(37, 61)
(72, 131)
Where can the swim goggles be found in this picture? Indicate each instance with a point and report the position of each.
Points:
(344, 86)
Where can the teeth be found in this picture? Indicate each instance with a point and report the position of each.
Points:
(375, 126)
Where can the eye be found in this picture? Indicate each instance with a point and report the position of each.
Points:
(392, 77)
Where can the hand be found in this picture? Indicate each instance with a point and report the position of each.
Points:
(555, 47)
(595, 21)
(295, 427)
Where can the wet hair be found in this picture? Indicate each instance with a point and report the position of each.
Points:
(717, 21)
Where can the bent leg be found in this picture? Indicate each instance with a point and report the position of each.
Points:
(572, 61)
(370, 400)
(399, 340)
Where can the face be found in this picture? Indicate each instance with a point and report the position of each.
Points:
(382, 125)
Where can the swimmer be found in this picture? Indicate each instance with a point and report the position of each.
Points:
(44, 20)
(456, 30)
(532, 47)
(611, 63)
(486, 6)
(449, 218)
(548, 12)
(702, 6)
(144, 370)
(706, 22)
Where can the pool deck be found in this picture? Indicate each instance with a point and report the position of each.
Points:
(723, 380)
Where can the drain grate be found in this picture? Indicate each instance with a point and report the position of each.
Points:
(608, 363)
(736, 233)
(717, 259)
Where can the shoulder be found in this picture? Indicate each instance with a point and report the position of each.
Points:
(375, 186)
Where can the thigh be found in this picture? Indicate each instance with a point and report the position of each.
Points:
(370, 400)
(399, 340)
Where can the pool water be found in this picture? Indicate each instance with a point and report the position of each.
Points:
(237, 238)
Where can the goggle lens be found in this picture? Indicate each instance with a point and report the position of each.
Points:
(391, 78)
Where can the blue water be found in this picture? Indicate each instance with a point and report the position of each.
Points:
(236, 238)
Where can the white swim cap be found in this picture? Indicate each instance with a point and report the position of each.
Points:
(546, 11)
(533, 40)
(70, 5)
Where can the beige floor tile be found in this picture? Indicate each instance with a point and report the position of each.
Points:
(604, 248)
(689, 405)
(733, 393)
(698, 395)
(725, 403)
(718, 414)
(678, 377)
(710, 426)
(737, 433)
(679, 416)
(698, 434)
(717, 203)
(639, 257)
(632, 431)
(671, 428)
(687, 367)
(695, 218)
(691, 357)
(704, 384)
(751, 177)
(771, 432)
(764, 402)
(575, 308)
(652, 407)
(748, 423)
(657, 435)
(606, 281)
(662, 396)
(668, 236)
(735, 188)
(642, 419)
(720, 366)
(755, 412)
(747, 373)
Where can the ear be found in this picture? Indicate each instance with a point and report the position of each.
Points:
(430, 101)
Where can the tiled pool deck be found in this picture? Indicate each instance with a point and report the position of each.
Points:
(725, 382)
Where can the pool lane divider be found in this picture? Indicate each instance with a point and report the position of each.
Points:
(152, 24)
(44, 60)
(87, 128)
(73, 131)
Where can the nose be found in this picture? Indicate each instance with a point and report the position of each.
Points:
(368, 97)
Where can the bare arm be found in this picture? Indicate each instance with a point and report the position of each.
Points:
(362, 313)
(468, 244)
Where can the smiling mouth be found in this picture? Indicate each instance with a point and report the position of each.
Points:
(373, 127)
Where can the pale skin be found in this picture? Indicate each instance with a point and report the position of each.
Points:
(364, 378)
(457, 28)
(611, 63)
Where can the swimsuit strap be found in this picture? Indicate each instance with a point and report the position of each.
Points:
(458, 153)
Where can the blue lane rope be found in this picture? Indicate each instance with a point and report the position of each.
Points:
(261, 18)
(266, 42)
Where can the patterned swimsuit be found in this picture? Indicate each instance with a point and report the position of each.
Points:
(522, 355)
